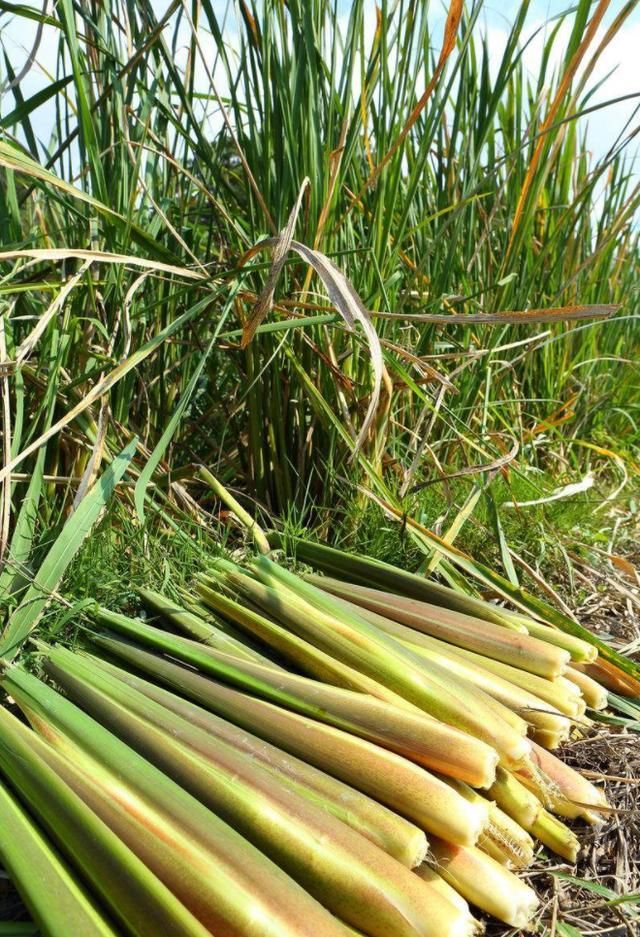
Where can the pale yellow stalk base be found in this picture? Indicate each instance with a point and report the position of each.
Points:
(556, 835)
(510, 837)
(514, 799)
(429, 875)
(561, 788)
(486, 883)
(549, 740)
(593, 693)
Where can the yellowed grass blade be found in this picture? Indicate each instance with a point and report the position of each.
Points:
(264, 303)
(454, 16)
(33, 337)
(64, 253)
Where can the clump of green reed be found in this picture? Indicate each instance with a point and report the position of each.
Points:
(473, 210)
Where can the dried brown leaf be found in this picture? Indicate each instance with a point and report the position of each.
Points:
(343, 297)
(282, 246)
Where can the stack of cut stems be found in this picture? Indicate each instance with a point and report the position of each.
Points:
(280, 754)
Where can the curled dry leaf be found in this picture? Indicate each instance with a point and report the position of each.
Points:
(341, 293)
(352, 309)
(282, 243)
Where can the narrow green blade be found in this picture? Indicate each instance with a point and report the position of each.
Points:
(26, 616)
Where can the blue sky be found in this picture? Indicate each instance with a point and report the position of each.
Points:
(620, 58)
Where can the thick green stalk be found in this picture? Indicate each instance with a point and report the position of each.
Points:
(359, 644)
(569, 794)
(53, 894)
(454, 700)
(503, 838)
(397, 836)
(141, 902)
(497, 851)
(526, 809)
(414, 735)
(491, 640)
(580, 651)
(190, 625)
(556, 835)
(538, 714)
(512, 838)
(593, 693)
(252, 895)
(394, 781)
(245, 518)
(348, 874)
(367, 572)
(189, 870)
(427, 874)
(612, 678)
(308, 658)
(197, 607)
(486, 883)
(552, 727)
(186, 622)
(560, 694)
(515, 799)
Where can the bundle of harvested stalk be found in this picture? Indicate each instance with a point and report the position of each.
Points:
(291, 754)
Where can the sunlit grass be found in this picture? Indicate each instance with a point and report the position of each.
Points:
(452, 224)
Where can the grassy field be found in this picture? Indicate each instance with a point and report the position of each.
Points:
(452, 338)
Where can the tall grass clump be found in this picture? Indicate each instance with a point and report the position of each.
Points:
(446, 180)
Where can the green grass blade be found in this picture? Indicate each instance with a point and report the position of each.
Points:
(25, 618)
